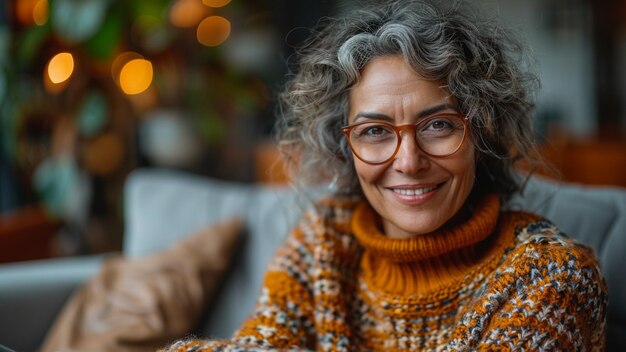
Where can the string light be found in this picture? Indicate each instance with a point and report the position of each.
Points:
(213, 31)
(119, 62)
(60, 67)
(136, 76)
(40, 12)
(187, 13)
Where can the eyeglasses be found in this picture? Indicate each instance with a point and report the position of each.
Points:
(377, 142)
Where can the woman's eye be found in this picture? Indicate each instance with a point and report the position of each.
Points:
(374, 130)
(439, 125)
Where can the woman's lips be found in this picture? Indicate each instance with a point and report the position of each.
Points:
(416, 194)
(414, 191)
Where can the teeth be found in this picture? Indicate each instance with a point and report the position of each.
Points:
(414, 192)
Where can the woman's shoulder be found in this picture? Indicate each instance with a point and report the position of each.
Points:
(331, 211)
(325, 220)
(533, 229)
(546, 266)
(541, 244)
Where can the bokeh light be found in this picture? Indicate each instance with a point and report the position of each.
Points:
(60, 67)
(32, 11)
(24, 10)
(103, 154)
(187, 13)
(119, 62)
(213, 31)
(136, 76)
(148, 98)
(216, 3)
(40, 12)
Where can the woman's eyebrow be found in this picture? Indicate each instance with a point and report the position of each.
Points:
(373, 116)
(435, 109)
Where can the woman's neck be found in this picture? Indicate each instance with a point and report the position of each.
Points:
(426, 262)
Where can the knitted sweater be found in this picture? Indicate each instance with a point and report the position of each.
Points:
(500, 281)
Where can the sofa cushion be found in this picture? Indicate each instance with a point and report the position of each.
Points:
(142, 304)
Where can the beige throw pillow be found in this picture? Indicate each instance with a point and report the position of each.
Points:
(143, 304)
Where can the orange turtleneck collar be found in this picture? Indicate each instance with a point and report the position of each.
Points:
(430, 262)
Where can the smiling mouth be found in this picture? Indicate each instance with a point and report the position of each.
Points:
(415, 192)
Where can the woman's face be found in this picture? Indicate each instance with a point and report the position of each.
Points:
(413, 193)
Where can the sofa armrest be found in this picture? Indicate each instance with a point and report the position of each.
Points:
(32, 294)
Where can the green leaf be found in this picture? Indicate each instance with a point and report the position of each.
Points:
(103, 44)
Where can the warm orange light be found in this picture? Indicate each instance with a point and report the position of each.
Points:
(60, 67)
(216, 3)
(24, 11)
(136, 76)
(40, 12)
(119, 62)
(187, 13)
(213, 31)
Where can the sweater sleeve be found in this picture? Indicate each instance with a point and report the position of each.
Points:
(283, 316)
(557, 302)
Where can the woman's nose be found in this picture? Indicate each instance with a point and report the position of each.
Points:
(410, 159)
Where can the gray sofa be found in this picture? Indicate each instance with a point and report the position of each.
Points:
(163, 206)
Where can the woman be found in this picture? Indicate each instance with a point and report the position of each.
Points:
(418, 113)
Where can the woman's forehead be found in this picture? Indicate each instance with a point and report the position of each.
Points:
(389, 86)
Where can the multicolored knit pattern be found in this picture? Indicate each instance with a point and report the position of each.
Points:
(499, 281)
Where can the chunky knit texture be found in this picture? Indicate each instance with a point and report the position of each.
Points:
(500, 281)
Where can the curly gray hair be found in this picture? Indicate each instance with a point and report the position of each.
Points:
(479, 62)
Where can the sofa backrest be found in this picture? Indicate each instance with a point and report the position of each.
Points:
(163, 206)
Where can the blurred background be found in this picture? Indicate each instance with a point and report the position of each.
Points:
(92, 89)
